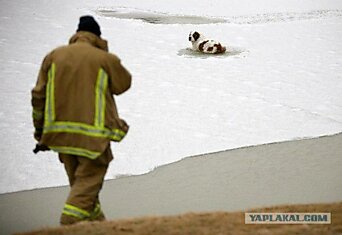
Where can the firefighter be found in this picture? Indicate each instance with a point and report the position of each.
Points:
(75, 115)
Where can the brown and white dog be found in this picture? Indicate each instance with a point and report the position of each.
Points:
(202, 44)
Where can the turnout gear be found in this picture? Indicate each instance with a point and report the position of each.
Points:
(85, 178)
(39, 148)
(74, 114)
(74, 111)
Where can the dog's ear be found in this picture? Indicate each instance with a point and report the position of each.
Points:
(196, 35)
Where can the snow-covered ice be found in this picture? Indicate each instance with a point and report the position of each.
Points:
(281, 80)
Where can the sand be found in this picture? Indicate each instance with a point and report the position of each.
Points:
(206, 224)
(294, 172)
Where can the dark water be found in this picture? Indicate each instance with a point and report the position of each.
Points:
(231, 51)
(159, 18)
(163, 18)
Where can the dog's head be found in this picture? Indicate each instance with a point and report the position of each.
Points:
(194, 36)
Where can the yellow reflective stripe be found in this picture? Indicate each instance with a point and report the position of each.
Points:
(100, 98)
(96, 130)
(84, 129)
(118, 133)
(97, 211)
(50, 96)
(75, 212)
(37, 115)
(75, 151)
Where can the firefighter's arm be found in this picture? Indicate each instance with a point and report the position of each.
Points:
(38, 100)
(119, 77)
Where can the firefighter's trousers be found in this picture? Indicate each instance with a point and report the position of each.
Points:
(86, 177)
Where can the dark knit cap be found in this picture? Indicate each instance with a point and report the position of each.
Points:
(88, 23)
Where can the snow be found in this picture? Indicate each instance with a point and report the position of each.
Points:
(282, 79)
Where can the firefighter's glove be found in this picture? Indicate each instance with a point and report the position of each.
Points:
(40, 147)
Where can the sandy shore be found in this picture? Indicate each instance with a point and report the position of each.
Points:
(223, 223)
(294, 172)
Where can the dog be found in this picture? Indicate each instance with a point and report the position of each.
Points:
(202, 44)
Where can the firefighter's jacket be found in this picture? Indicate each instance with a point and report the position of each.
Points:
(74, 111)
